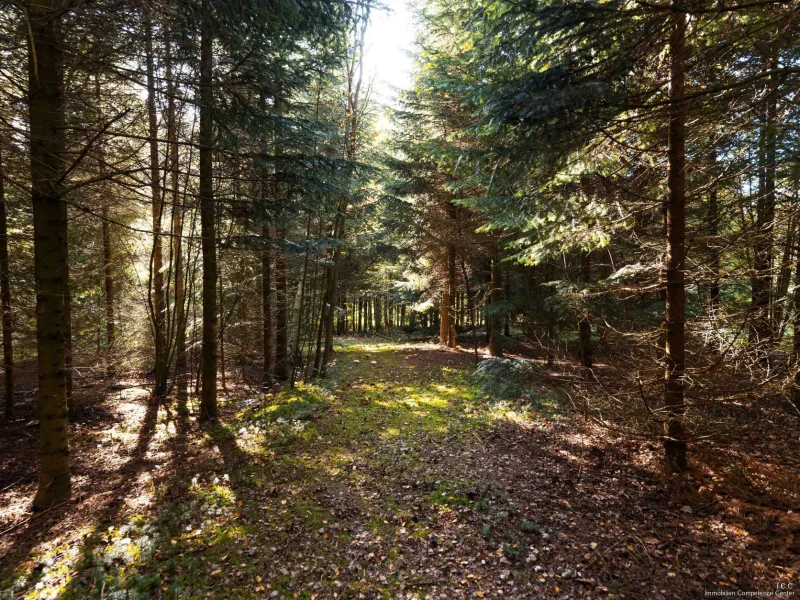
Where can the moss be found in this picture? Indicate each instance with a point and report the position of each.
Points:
(295, 466)
(447, 494)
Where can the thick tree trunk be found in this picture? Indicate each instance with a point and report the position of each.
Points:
(208, 360)
(674, 442)
(46, 88)
(157, 258)
(5, 302)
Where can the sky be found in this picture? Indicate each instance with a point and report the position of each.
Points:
(389, 41)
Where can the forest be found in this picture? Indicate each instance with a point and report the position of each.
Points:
(527, 326)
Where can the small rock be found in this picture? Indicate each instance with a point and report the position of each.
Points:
(686, 509)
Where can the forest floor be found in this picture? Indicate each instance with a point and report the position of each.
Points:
(395, 478)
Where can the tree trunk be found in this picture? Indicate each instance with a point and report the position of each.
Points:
(445, 310)
(333, 282)
(761, 332)
(108, 271)
(451, 284)
(5, 301)
(222, 372)
(317, 367)
(584, 324)
(281, 315)
(157, 259)
(713, 220)
(378, 312)
(266, 307)
(507, 298)
(796, 335)
(297, 354)
(68, 370)
(780, 309)
(494, 318)
(51, 256)
(208, 360)
(177, 226)
(674, 442)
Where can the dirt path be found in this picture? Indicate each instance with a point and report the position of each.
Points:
(394, 480)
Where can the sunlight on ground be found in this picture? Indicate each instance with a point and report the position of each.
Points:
(379, 412)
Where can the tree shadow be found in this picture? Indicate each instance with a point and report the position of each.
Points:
(391, 472)
(94, 501)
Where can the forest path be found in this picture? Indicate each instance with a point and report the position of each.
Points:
(393, 478)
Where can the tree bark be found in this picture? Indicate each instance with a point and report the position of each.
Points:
(266, 308)
(713, 219)
(5, 301)
(761, 332)
(281, 315)
(451, 284)
(796, 335)
(157, 258)
(445, 307)
(674, 442)
(584, 324)
(507, 298)
(46, 105)
(496, 297)
(221, 361)
(377, 313)
(108, 272)
(297, 355)
(208, 397)
(177, 226)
